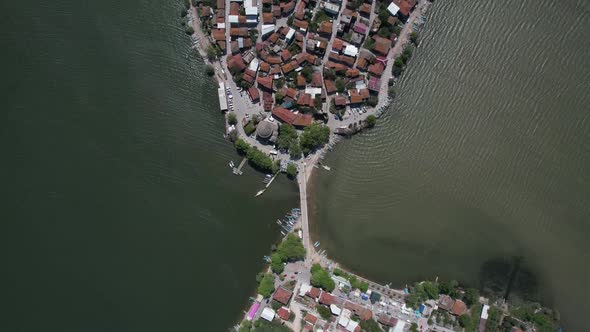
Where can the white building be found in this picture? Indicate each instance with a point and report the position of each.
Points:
(233, 19)
(290, 34)
(313, 91)
(393, 9)
(267, 29)
(222, 98)
(268, 314)
(351, 50)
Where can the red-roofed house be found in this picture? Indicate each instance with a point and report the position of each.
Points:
(377, 69)
(309, 318)
(326, 298)
(254, 94)
(265, 82)
(302, 120)
(314, 293)
(382, 45)
(405, 8)
(459, 308)
(283, 114)
(284, 313)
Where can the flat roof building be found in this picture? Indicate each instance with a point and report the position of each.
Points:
(222, 98)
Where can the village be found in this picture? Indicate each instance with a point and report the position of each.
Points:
(284, 66)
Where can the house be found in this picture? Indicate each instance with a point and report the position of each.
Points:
(445, 302)
(405, 8)
(377, 69)
(287, 8)
(326, 298)
(365, 10)
(340, 100)
(300, 81)
(302, 120)
(268, 314)
(374, 84)
(352, 73)
(220, 4)
(302, 25)
(483, 318)
(254, 94)
(284, 313)
(325, 29)
(265, 83)
(268, 18)
(314, 293)
(285, 54)
(235, 63)
(387, 320)
(360, 27)
(459, 308)
(311, 319)
(283, 114)
(354, 96)
(330, 86)
(316, 79)
(218, 34)
(331, 8)
(300, 11)
(205, 11)
(382, 45)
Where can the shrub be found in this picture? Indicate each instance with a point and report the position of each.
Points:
(209, 70)
(242, 146)
(324, 312)
(232, 119)
(371, 120)
(267, 285)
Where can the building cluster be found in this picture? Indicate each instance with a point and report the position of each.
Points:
(324, 57)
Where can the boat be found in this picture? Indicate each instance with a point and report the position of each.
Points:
(278, 222)
(231, 164)
(327, 168)
(260, 192)
(283, 233)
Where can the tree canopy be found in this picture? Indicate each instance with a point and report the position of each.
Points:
(321, 278)
(291, 249)
(314, 136)
(260, 160)
(276, 263)
(267, 285)
(232, 119)
(291, 171)
(324, 312)
(339, 85)
(370, 325)
(371, 121)
(287, 134)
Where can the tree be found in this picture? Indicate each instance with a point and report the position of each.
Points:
(279, 97)
(383, 15)
(324, 312)
(291, 249)
(260, 160)
(209, 70)
(471, 296)
(414, 38)
(314, 136)
(414, 327)
(448, 287)
(371, 120)
(276, 263)
(295, 150)
(290, 20)
(242, 146)
(370, 325)
(287, 134)
(212, 53)
(317, 103)
(267, 285)
(321, 278)
(232, 119)
(384, 32)
(291, 171)
(189, 30)
(339, 85)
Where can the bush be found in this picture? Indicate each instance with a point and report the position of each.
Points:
(371, 120)
(287, 135)
(209, 70)
(249, 128)
(339, 85)
(370, 325)
(324, 312)
(295, 150)
(414, 38)
(232, 119)
(267, 285)
(291, 171)
(189, 30)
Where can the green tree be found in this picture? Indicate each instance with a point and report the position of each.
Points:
(267, 285)
(212, 53)
(242, 146)
(291, 171)
(494, 319)
(414, 327)
(448, 287)
(383, 15)
(260, 160)
(279, 97)
(209, 70)
(189, 30)
(471, 296)
(295, 150)
(339, 85)
(232, 119)
(291, 249)
(384, 32)
(370, 325)
(317, 103)
(314, 136)
(287, 135)
(307, 73)
(414, 38)
(276, 263)
(321, 278)
(324, 312)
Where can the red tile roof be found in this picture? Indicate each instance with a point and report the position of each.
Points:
(314, 292)
(330, 86)
(340, 100)
(316, 79)
(376, 69)
(310, 318)
(459, 308)
(325, 28)
(405, 6)
(300, 11)
(382, 45)
(284, 313)
(283, 114)
(302, 120)
(254, 94)
(285, 54)
(326, 298)
(265, 82)
(268, 18)
(301, 24)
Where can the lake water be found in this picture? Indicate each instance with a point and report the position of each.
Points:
(483, 158)
(121, 212)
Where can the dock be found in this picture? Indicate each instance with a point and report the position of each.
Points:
(238, 170)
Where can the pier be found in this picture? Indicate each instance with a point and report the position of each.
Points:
(238, 170)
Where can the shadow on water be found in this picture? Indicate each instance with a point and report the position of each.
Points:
(510, 278)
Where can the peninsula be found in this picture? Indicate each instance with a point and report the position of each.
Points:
(292, 75)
